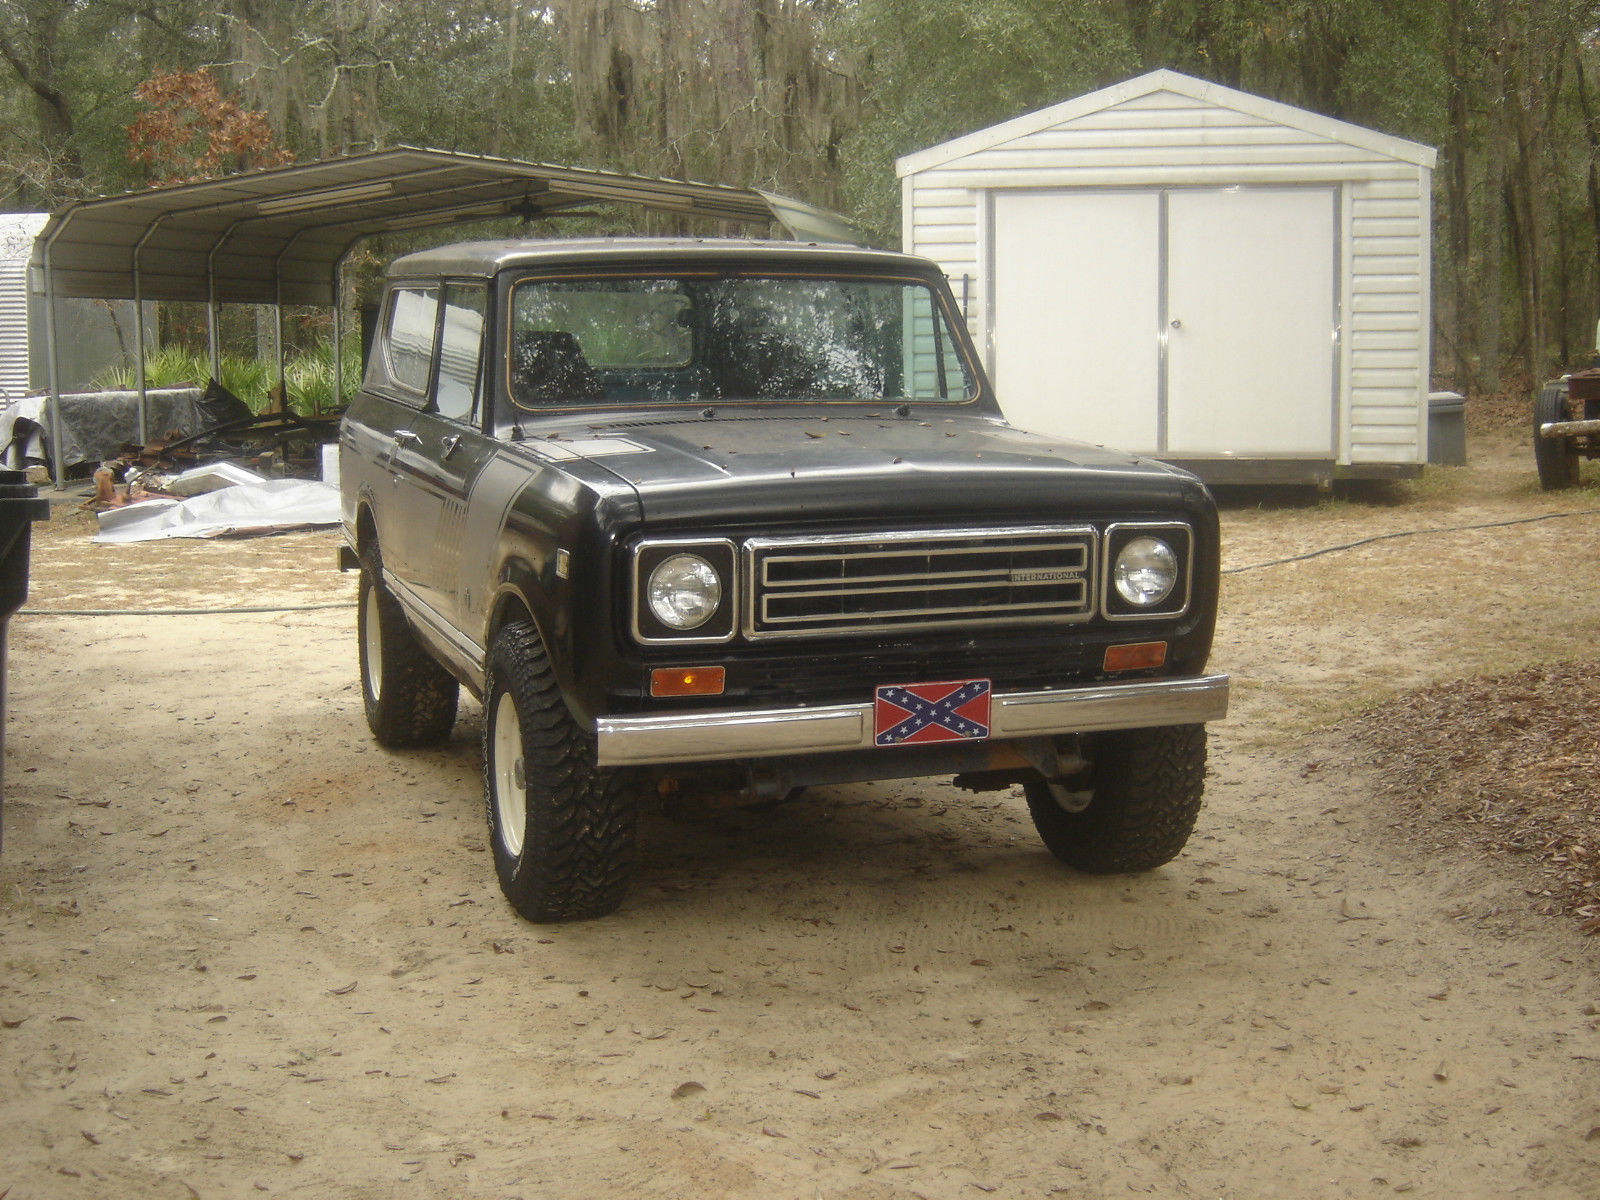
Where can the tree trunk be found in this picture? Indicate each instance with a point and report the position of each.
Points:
(1497, 136)
(1458, 209)
(34, 64)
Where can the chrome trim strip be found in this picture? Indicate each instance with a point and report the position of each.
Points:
(960, 533)
(1113, 706)
(764, 733)
(709, 737)
(434, 628)
(963, 546)
(944, 621)
(890, 618)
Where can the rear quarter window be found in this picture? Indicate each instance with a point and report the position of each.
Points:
(408, 336)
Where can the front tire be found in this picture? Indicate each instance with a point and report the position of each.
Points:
(1143, 790)
(561, 827)
(1556, 459)
(410, 700)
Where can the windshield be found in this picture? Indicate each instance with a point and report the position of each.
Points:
(693, 339)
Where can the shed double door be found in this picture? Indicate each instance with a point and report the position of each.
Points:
(1186, 323)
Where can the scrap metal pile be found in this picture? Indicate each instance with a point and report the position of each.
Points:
(244, 473)
(273, 444)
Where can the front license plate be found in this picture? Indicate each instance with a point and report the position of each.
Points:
(913, 714)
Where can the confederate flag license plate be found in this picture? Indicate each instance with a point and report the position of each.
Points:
(914, 714)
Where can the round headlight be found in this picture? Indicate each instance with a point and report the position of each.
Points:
(1146, 572)
(684, 591)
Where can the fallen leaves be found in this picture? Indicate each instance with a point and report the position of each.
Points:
(1506, 766)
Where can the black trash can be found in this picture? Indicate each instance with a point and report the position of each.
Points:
(20, 507)
(1447, 429)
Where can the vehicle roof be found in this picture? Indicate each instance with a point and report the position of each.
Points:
(485, 258)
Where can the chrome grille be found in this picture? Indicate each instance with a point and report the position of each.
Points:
(921, 580)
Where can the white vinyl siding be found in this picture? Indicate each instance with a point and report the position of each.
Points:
(1386, 331)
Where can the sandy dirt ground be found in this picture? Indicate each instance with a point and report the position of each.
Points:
(243, 950)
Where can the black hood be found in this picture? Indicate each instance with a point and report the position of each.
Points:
(741, 466)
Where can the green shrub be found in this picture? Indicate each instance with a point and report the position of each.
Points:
(308, 377)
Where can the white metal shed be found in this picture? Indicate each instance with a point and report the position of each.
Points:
(1189, 271)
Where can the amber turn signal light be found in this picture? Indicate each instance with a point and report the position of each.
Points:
(1135, 656)
(686, 681)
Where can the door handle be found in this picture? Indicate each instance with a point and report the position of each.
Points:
(450, 445)
(1177, 324)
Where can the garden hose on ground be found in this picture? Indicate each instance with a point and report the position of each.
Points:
(181, 612)
(1276, 562)
(1405, 533)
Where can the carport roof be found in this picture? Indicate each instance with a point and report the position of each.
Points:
(276, 236)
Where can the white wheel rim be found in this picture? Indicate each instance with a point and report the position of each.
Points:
(1067, 800)
(373, 642)
(506, 775)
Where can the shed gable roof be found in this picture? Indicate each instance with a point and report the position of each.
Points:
(1187, 86)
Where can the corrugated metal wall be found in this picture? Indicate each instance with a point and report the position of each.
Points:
(13, 328)
(17, 231)
(1164, 139)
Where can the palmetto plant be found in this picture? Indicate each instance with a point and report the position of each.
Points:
(308, 377)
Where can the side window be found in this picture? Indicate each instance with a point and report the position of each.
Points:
(461, 350)
(408, 341)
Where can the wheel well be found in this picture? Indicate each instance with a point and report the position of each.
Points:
(510, 609)
(366, 530)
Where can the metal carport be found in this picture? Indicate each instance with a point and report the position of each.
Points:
(281, 236)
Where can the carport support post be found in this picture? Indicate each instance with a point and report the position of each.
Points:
(211, 312)
(138, 350)
(338, 346)
(211, 335)
(277, 334)
(338, 326)
(58, 470)
(138, 325)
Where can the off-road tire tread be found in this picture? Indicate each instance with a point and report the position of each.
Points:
(1148, 785)
(1556, 460)
(417, 698)
(578, 860)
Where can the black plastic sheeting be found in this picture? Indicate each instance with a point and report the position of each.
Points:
(96, 425)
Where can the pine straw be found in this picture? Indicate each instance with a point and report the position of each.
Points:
(1510, 765)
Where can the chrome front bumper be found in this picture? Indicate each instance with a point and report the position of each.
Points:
(765, 733)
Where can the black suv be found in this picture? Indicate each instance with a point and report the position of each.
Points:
(745, 516)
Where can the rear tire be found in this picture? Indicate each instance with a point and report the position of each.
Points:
(561, 827)
(1556, 459)
(1143, 790)
(410, 700)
